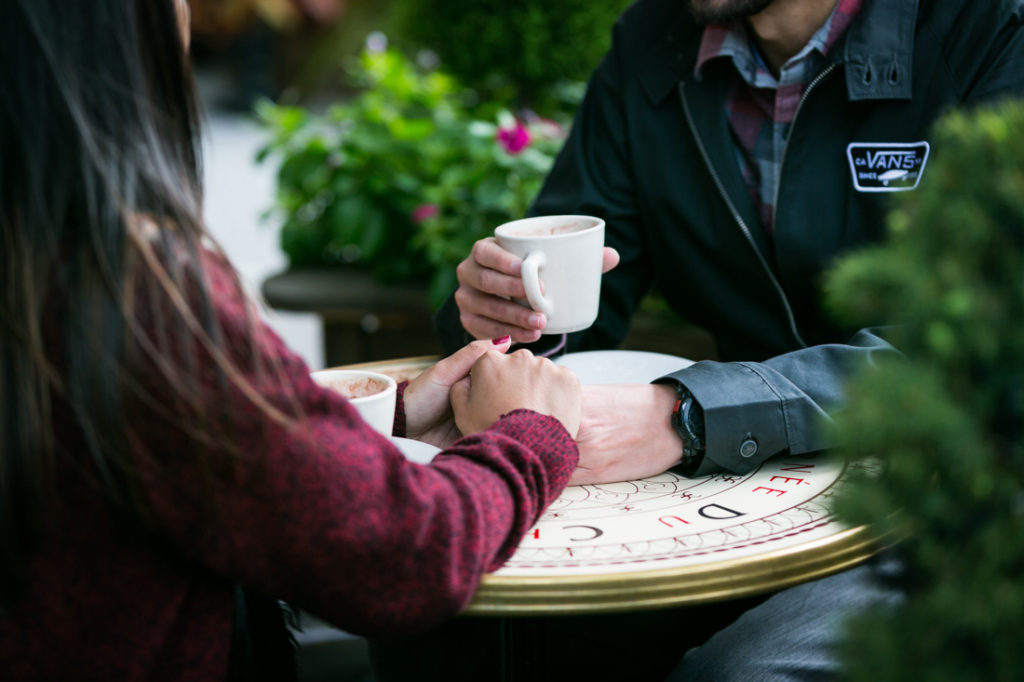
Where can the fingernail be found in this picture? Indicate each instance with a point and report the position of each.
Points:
(501, 341)
(536, 321)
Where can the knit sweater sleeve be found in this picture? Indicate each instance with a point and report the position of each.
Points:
(314, 507)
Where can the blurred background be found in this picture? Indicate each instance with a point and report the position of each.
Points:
(357, 149)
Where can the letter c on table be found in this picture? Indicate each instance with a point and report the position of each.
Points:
(597, 532)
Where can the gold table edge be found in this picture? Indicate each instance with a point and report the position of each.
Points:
(500, 595)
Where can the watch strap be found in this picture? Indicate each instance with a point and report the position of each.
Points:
(688, 421)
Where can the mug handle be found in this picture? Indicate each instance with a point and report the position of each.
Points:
(531, 282)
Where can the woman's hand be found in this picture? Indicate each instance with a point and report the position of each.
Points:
(488, 280)
(500, 383)
(626, 433)
(428, 413)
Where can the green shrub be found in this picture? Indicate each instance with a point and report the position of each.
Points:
(512, 50)
(947, 420)
(403, 177)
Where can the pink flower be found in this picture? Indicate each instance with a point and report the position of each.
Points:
(424, 212)
(515, 139)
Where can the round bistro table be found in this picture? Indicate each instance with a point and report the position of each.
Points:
(668, 541)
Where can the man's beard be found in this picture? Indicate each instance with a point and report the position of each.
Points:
(721, 12)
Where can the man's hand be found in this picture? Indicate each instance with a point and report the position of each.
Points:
(488, 280)
(626, 433)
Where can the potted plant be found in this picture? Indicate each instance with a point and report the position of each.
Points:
(395, 184)
(946, 422)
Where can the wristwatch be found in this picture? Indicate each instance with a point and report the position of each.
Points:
(688, 421)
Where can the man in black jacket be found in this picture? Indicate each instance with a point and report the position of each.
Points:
(731, 198)
(736, 148)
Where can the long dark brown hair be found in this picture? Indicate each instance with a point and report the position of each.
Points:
(99, 135)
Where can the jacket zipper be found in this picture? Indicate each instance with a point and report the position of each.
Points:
(800, 105)
(732, 208)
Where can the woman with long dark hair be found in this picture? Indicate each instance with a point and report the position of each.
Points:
(168, 470)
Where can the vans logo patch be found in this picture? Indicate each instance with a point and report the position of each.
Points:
(886, 166)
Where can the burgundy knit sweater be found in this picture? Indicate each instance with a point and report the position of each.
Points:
(319, 511)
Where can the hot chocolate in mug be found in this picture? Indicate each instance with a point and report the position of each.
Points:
(372, 394)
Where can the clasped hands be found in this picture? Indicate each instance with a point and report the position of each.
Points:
(623, 431)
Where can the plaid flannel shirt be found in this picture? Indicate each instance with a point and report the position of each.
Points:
(761, 106)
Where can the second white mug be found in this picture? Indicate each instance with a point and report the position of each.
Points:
(371, 393)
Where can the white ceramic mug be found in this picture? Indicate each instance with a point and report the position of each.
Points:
(566, 253)
(371, 393)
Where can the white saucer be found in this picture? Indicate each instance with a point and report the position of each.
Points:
(415, 450)
(621, 366)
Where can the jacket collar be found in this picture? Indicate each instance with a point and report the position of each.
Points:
(877, 52)
(879, 49)
(671, 58)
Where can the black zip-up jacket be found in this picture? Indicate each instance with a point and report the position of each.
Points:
(650, 151)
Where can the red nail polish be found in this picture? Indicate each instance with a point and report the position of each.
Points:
(498, 342)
